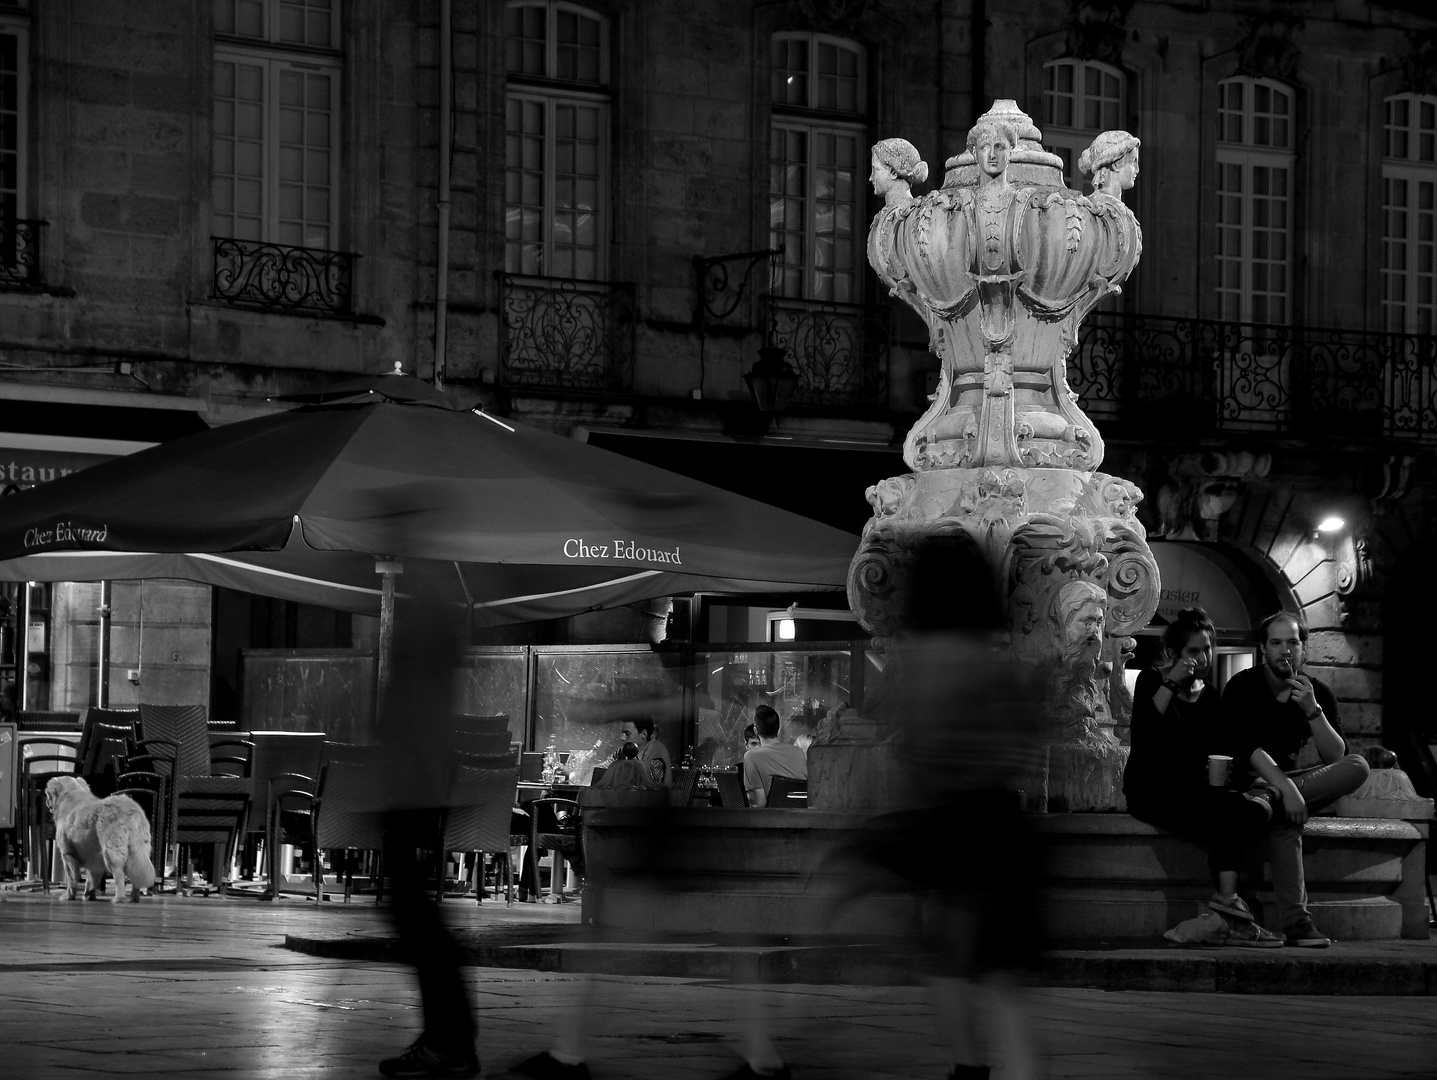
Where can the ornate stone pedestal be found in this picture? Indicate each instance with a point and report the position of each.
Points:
(1002, 262)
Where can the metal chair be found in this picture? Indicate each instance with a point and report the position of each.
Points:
(284, 768)
(230, 753)
(210, 811)
(730, 788)
(41, 760)
(349, 816)
(476, 820)
(787, 793)
(682, 791)
(47, 720)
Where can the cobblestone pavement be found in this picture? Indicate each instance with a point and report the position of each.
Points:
(191, 987)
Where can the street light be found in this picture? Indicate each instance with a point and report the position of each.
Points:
(772, 381)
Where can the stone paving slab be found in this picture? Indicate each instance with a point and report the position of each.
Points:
(184, 988)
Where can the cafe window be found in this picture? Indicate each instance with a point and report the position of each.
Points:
(818, 160)
(556, 140)
(1255, 167)
(275, 153)
(1080, 99)
(1409, 214)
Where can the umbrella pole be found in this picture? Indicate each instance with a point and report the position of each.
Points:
(386, 569)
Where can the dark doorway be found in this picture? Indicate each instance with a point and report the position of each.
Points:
(1409, 725)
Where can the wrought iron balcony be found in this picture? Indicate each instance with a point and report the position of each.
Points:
(20, 266)
(839, 350)
(1189, 377)
(278, 277)
(566, 334)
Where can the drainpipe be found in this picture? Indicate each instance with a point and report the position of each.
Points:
(446, 139)
(980, 57)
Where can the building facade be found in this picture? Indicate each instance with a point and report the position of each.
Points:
(635, 222)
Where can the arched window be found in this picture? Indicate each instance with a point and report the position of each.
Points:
(1409, 214)
(1255, 160)
(1080, 99)
(556, 146)
(817, 165)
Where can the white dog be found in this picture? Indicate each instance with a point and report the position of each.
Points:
(100, 834)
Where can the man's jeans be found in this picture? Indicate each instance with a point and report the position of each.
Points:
(1320, 787)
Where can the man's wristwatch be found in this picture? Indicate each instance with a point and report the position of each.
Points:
(1314, 714)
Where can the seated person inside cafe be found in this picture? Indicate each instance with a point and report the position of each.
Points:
(654, 754)
(772, 757)
(1177, 724)
(628, 773)
(1275, 709)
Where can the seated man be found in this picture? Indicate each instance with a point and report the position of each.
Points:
(1274, 709)
(770, 758)
(652, 753)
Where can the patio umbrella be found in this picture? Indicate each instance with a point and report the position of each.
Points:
(517, 523)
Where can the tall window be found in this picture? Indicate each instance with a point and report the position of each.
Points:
(1080, 99)
(1409, 203)
(817, 166)
(1254, 200)
(14, 98)
(556, 143)
(275, 155)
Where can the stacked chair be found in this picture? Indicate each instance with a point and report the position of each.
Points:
(284, 779)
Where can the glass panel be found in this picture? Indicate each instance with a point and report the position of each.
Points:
(728, 685)
(491, 684)
(581, 698)
(525, 39)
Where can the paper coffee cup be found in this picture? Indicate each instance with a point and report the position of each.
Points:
(1219, 768)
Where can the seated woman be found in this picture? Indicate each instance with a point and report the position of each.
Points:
(1176, 725)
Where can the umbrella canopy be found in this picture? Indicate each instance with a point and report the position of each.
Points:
(521, 524)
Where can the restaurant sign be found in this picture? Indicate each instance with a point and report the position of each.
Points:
(24, 468)
(625, 550)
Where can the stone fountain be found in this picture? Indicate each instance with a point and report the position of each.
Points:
(1003, 262)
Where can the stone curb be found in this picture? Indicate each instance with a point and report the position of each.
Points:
(1188, 970)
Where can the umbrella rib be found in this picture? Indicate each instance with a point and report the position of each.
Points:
(570, 592)
(255, 568)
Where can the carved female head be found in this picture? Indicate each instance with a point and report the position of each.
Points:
(896, 167)
(992, 143)
(1112, 161)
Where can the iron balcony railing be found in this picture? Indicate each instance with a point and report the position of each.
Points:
(1196, 376)
(566, 334)
(840, 351)
(280, 277)
(20, 266)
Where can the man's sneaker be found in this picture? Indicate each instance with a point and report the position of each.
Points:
(1248, 935)
(421, 1062)
(1303, 935)
(1234, 907)
(545, 1066)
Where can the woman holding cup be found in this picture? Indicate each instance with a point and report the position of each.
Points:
(1177, 773)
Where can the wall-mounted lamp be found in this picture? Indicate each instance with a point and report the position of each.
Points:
(772, 381)
(1329, 525)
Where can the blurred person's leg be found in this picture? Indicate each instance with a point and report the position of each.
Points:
(1289, 886)
(446, 1046)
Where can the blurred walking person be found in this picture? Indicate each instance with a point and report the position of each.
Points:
(415, 727)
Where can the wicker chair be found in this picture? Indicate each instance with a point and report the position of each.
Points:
(476, 820)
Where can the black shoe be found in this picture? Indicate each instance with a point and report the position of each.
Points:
(969, 1072)
(748, 1072)
(421, 1062)
(545, 1066)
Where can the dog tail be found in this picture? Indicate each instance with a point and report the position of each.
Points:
(138, 867)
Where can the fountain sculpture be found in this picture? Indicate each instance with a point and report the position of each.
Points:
(1003, 262)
